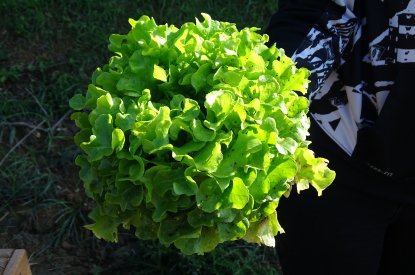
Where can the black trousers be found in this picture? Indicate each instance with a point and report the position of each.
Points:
(361, 225)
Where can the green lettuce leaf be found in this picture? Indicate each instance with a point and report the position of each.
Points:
(191, 135)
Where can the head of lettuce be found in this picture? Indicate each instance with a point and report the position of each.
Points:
(191, 135)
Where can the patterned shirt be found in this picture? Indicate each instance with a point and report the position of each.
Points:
(361, 55)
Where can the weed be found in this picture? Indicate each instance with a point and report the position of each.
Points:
(150, 257)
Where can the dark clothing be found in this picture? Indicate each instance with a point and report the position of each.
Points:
(363, 224)
(361, 55)
(376, 183)
(345, 231)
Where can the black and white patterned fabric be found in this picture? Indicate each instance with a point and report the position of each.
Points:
(356, 51)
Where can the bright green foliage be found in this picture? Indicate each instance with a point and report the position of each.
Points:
(191, 135)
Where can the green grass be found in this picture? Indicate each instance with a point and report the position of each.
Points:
(48, 51)
(150, 257)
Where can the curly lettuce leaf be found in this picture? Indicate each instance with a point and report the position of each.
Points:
(191, 135)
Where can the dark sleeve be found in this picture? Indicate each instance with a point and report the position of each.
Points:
(316, 34)
(292, 22)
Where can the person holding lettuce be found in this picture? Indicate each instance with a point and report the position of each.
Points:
(361, 56)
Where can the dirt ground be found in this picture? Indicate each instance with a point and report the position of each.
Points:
(65, 258)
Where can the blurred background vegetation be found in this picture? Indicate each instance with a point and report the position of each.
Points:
(48, 51)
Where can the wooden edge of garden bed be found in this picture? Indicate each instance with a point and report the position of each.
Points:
(14, 262)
